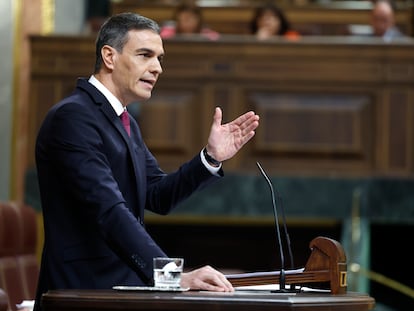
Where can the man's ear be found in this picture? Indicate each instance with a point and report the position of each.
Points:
(108, 54)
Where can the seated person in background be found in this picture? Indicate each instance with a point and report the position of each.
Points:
(270, 21)
(188, 20)
(97, 11)
(383, 21)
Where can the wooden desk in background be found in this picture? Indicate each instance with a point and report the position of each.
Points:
(93, 300)
(339, 105)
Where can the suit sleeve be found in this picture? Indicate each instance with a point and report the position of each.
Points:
(165, 192)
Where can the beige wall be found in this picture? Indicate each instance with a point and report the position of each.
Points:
(6, 77)
(20, 19)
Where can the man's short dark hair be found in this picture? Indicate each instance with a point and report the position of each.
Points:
(114, 32)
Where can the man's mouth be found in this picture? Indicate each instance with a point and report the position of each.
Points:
(149, 82)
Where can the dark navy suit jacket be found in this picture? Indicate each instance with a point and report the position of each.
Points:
(95, 182)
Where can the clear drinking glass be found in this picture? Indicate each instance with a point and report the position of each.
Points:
(167, 272)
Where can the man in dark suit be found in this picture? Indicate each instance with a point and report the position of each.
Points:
(96, 176)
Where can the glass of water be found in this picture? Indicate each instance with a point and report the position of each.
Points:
(167, 272)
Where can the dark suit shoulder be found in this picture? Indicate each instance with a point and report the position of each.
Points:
(83, 86)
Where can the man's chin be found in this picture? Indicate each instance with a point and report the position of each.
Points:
(143, 96)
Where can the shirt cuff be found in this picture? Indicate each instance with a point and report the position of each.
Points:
(212, 169)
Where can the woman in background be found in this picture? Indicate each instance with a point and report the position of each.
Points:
(188, 20)
(270, 21)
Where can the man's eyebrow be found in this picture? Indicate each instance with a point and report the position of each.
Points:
(147, 50)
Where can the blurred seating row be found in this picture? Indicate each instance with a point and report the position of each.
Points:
(19, 266)
(308, 18)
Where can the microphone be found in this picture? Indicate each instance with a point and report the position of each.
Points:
(282, 277)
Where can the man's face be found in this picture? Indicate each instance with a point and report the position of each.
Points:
(269, 22)
(187, 22)
(382, 18)
(137, 67)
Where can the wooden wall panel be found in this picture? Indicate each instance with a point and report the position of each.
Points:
(164, 121)
(400, 124)
(309, 123)
(323, 111)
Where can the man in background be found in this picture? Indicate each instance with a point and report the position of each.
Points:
(383, 20)
(96, 12)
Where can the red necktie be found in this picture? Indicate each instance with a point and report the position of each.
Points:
(125, 122)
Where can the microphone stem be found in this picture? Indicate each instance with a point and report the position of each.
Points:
(282, 258)
(282, 280)
(282, 275)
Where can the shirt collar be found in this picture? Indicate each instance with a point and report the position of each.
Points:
(115, 103)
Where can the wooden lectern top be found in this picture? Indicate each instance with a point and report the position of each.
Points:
(93, 300)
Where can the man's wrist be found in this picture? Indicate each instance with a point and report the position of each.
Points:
(210, 159)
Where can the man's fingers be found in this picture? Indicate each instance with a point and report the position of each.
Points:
(207, 278)
(218, 116)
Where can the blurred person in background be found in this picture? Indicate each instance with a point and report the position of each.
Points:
(270, 21)
(383, 21)
(188, 20)
(96, 12)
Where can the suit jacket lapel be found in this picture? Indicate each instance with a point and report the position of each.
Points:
(131, 145)
(106, 108)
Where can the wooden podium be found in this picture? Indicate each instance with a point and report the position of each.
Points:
(93, 300)
(326, 264)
